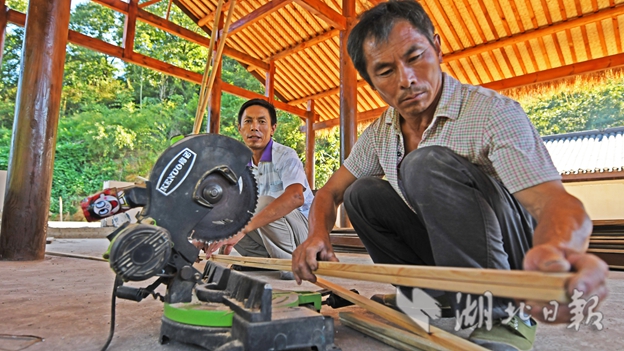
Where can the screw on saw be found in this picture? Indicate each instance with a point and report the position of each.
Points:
(213, 193)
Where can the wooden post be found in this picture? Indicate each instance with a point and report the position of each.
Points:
(29, 178)
(269, 85)
(213, 123)
(310, 139)
(3, 24)
(214, 109)
(348, 96)
(130, 28)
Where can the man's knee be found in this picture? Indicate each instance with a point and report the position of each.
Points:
(364, 190)
(428, 159)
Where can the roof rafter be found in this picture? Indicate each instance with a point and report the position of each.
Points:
(539, 32)
(304, 45)
(209, 17)
(148, 3)
(181, 32)
(326, 13)
(256, 15)
(594, 65)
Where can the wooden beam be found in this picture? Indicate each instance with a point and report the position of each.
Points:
(246, 94)
(148, 3)
(210, 17)
(269, 85)
(181, 32)
(594, 65)
(130, 28)
(537, 33)
(328, 92)
(362, 116)
(257, 15)
(324, 12)
(310, 140)
(304, 45)
(37, 105)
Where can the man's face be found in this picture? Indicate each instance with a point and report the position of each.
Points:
(405, 69)
(256, 128)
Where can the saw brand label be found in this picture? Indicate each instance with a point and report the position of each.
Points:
(176, 171)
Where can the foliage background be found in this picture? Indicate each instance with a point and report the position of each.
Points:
(116, 118)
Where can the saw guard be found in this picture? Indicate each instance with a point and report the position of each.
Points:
(179, 175)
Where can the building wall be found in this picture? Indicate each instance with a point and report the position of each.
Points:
(603, 199)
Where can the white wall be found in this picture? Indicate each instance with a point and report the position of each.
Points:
(603, 199)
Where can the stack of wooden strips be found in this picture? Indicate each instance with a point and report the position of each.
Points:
(607, 242)
(523, 285)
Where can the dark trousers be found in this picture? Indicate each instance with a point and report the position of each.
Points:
(464, 218)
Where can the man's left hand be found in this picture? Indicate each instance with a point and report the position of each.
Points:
(590, 275)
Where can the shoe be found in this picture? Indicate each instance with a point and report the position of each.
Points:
(286, 275)
(514, 335)
(389, 300)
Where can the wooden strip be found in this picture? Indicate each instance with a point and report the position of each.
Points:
(72, 255)
(450, 24)
(304, 45)
(531, 12)
(529, 49)
(329, 92)
(456, 274)
(180, 31)
(517, 17)
(234, 90)
(310, 140)
(496, 66)
(269, 85)
(616, 31)
(586, 43)
(326, 13)
(258, 14)
(475, 21)
(462, 23)
(130, 28)
(519, 58)
(474, 71)
(540, 41)
(210, 16)
(594, 65)
(436, 336)
(148, 3)
(485, 67)
(539, 32)
(488, 18)
(395, 337)
(502, 17)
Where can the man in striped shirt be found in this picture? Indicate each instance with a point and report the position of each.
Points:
(468, 181)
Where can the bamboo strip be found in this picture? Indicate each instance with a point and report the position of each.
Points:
(513, 284)
(395, 337)
(203, 95)
(437, 336)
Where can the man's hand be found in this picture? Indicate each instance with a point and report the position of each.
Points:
(304, 258)
(590, 274)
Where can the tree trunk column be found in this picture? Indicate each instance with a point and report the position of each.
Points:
(310, 140)
(29, 179)
(348, 97)
(214, 107)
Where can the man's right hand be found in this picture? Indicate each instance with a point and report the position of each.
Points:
(305, 257)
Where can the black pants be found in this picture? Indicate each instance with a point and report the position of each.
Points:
(463, 218)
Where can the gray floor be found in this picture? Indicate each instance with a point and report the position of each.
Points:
(66, 302)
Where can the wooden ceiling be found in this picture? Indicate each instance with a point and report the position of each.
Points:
(496, 43)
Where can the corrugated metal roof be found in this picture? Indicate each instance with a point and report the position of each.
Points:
(587, 152)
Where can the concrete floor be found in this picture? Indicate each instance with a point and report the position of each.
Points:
(66, 302)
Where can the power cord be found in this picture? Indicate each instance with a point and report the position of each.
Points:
(118, 282)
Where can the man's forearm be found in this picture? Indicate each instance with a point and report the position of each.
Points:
(322, 214)
(563, 222)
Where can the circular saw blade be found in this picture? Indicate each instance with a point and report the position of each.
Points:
(232, 211)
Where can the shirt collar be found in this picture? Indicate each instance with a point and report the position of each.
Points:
(267, 154)
(448, 105)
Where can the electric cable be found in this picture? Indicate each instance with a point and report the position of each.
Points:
(117, 283)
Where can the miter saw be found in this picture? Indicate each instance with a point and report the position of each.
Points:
(201, 189)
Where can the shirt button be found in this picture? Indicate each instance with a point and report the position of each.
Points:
(399, 154)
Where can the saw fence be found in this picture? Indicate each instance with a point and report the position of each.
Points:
(523, 285)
